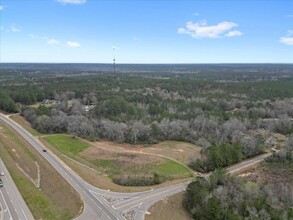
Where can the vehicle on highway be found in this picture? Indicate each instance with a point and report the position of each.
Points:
(1, 173)
(1, 183)
(44, 150)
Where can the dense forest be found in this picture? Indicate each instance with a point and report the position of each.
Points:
(218, 107)
(222, 196)
(232, 111)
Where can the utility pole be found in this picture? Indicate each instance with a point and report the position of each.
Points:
(114, 60)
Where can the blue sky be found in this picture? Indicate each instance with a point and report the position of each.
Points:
(154, 31)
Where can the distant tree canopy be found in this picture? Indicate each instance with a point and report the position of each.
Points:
(7, 104)
(117, 109)
(217, 107)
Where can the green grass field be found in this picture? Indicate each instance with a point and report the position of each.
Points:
(66, 144)
(173, 169)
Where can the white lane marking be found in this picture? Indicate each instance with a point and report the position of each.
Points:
(100, 202)
(151, 196)
(53, 160)
(138, 206)
(124, 200)
(6, 204)
(127, 210)
(1, 213)
(24, 214)
(13, 192)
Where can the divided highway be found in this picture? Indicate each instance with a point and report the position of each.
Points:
(11, 202)
(93, 207)
(103, 204)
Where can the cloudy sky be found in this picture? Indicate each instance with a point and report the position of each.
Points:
(156, 31)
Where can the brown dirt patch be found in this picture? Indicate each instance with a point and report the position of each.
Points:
(179, 151)
(95, 153)
(170, 209)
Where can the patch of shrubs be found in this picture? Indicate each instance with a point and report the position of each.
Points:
(127, 180)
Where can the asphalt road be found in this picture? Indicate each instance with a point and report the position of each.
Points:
(133, 206)
(93, 207)
(11, 202)
(103, 204)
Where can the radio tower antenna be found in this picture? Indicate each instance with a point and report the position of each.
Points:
(114, 60)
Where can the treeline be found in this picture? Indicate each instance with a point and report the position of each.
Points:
(225, 155)
(225, 197)
(28, 95)
(7, 104)
(23, 96)
(200, 130)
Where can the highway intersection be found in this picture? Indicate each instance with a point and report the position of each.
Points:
(99, 204)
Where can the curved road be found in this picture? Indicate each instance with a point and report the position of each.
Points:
(93, 207)
(103, 204)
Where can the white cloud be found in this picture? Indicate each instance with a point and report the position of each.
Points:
(289, 16)
(1, 7)
(53, 42)
(203, 30)
(72, 44)
(14, 29)
(50, 41)
(234, 33)
(287, 40)
(38, 37)
(196, 14)
(73, 2)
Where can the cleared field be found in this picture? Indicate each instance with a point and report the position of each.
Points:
(25, 124)
(170, 209)
(180, 151)
(45, 191)
(121, 163)
(102, 164)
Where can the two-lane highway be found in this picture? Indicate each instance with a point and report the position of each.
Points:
(12, 204)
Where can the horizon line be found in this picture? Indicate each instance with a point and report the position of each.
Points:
(140, 63)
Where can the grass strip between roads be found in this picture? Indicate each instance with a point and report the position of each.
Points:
(55, 199)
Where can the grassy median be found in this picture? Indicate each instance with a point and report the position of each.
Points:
(54, 198)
